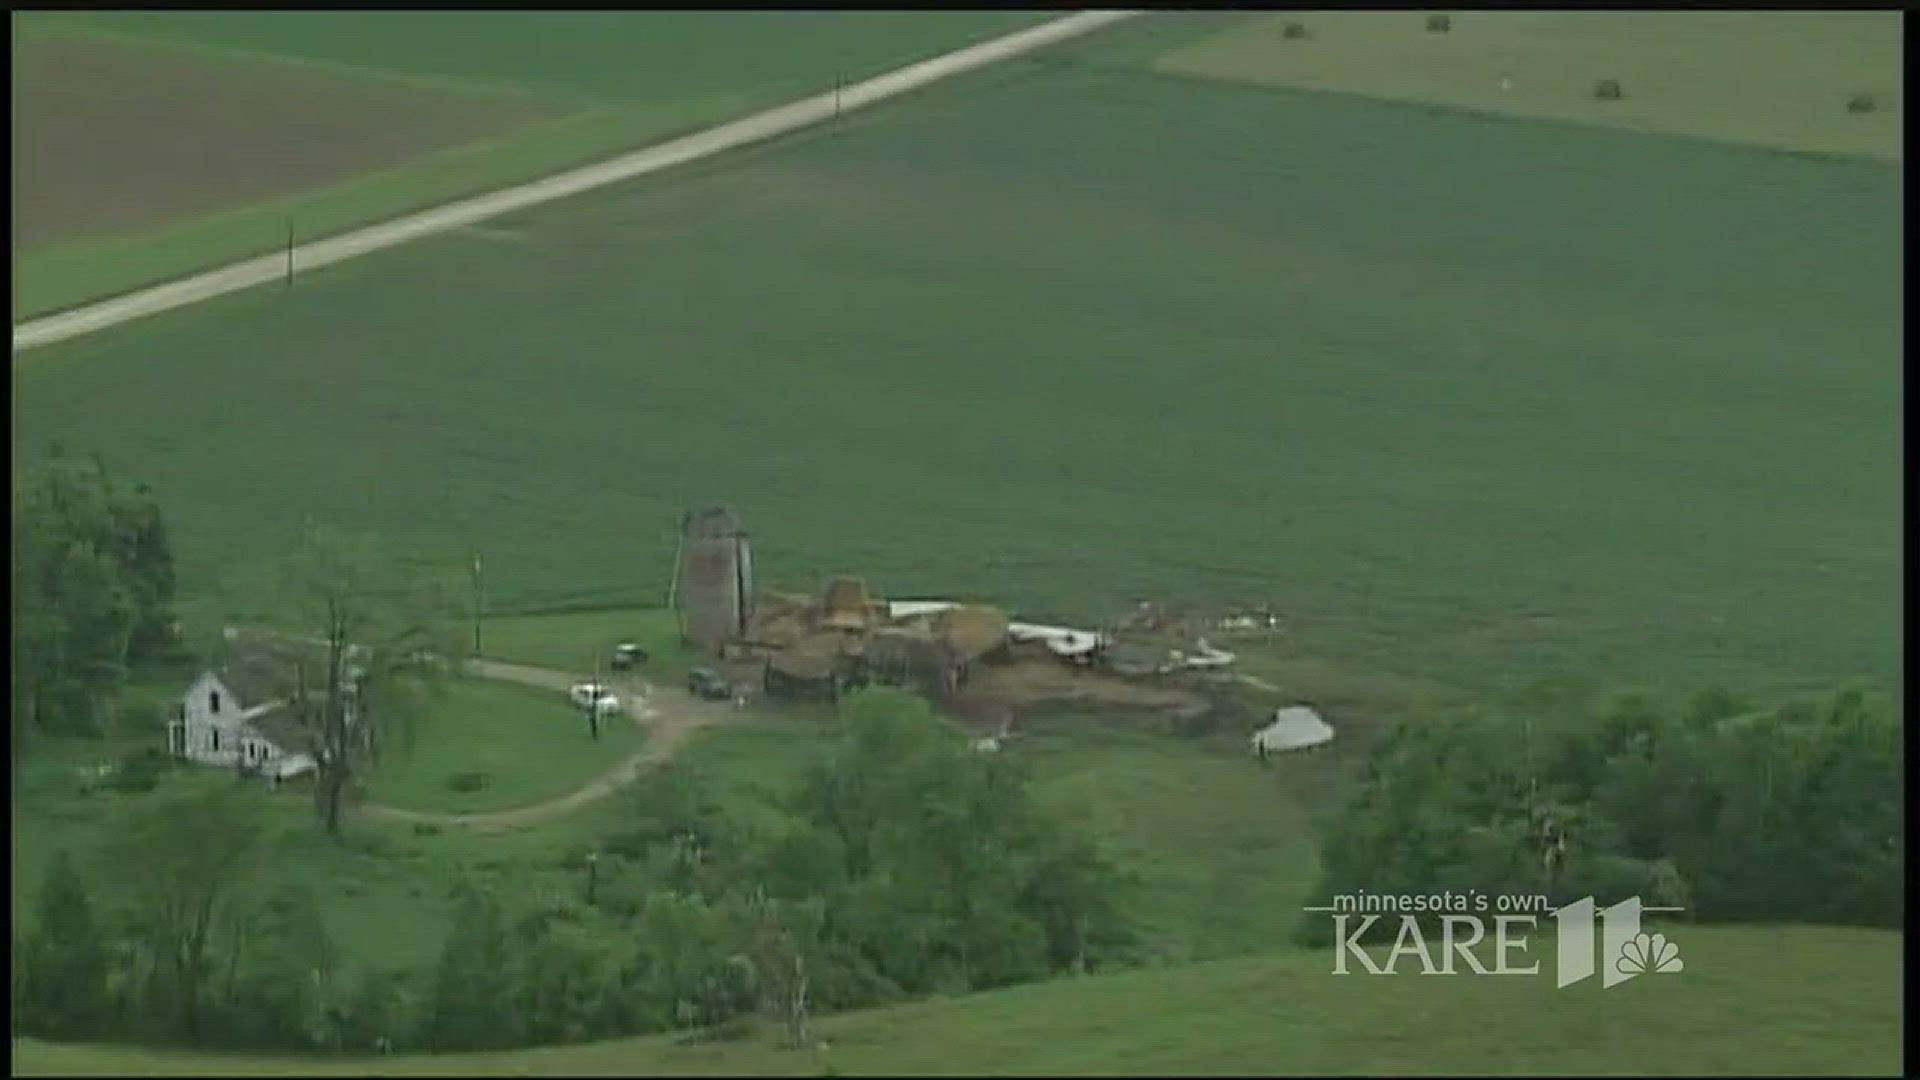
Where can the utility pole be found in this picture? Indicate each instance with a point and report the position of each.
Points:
(479, 601)
(289, 282)
(593, 701)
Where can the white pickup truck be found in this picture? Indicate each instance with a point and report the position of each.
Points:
(594, 695)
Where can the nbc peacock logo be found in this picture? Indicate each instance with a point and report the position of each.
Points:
(1625, 950)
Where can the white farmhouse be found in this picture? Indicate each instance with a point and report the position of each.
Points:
(235, 716)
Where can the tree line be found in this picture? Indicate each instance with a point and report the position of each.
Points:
(1738, 813)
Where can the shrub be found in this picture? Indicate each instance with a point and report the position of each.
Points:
(1439, 24)
(1294, 30)
(139, 771)
(1607, 90)
(140, 718)
(467, 782)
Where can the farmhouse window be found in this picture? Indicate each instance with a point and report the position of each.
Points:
(215, 734)
(213, 701)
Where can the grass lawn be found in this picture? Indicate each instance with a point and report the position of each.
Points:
(1222, 851)
(1780, 79)
(1219, 849)
(621, 80)
(577, 640)
(1532, 415)
(1751, 1001)
(528, 746)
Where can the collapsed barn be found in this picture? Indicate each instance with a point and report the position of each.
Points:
(846, 638)
(970, 656)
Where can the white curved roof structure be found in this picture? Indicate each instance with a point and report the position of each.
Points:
(1295, 727)
(1063, 640)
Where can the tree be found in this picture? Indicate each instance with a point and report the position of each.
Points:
(472, 997)
(566, 978)
(953, 874)
(782, 935)
(186, 867)
(281, 970)
(376, 1016)
(93, 585)
(63, 964)
(383, 639)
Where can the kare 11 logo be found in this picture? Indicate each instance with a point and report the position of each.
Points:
(1587, 937)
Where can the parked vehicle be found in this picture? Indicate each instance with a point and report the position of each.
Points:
(707, 683)
(627, 654)
(594, 695)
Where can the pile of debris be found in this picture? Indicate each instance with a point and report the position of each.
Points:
(847, 638)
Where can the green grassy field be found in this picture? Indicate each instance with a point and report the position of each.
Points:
(1470, 402)
(576, 640)
(1750, 1002)
(1769, 78)
(623, 80)
(530, 746)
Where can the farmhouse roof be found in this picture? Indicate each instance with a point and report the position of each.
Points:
(259, 668)
(281, 729)
(256, 678)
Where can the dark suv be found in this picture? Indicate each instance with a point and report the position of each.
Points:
(707, 683)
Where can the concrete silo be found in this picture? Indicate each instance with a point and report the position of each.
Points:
(713, 579)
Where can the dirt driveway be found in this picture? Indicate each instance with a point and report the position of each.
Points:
(667, 714)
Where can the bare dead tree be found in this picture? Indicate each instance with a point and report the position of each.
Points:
(780, 968)
(382, 651)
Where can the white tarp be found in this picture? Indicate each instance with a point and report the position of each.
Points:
(1205, 656)
(1295, 727)
(1064, 641)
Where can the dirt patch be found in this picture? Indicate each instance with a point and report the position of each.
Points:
(1000, 692)
(112, 138)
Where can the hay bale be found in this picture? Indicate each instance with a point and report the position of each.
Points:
(1607, 90)
(1862, 103)
(971, 630)
(847, 606)
(1439, 24)
(1293, 30)
(846, 594)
